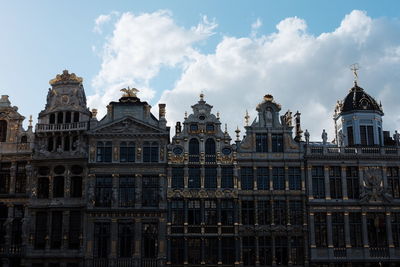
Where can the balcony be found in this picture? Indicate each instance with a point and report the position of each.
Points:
(74, 126)
(375, 252)
(128, 262)
(12, 250)
(348, 151)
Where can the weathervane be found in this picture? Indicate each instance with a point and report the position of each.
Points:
(129, 92)
(354, 68)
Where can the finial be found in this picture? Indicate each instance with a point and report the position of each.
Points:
(218, 115)
(129, 92)
(354, 68)
(226, 128)
(237, 131)
(94, 113)
(201, 96)
(246, 118)
(30, 120)
(185, 115)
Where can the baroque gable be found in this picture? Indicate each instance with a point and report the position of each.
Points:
(127, 125)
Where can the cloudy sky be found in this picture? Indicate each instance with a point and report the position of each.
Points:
(233, 51)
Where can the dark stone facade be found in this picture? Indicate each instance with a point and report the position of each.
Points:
(79, 191)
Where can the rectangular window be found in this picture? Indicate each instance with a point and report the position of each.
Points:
(149, 240)
(297, 250)
(43, 187)
(228, 250)
(58, 186)
(177, 250)
(264, 212)
(126, 191)
(194, 177)
(125, 239)
(263, 178)
(56, 229)
(320, 229)
(103, 191)
(177, 178)
(396, 228)
(194, 212)
(294, 178)
(247, 178)
(318, 182)
(261, 143)
(280, 212)
(177, 212)
(277, 143)
(247, 212)
(296, 212)
(210, 212)
(367, 135)
(194, 250)
(101, 239)
(376, 225)
(355, 229)
(150, 191)
(393, 181)
(74, 230)
(249, 250)
(41, 230)
(265, 250)
(350, 136)
(5, 178)
(353, 183)
(281, 250)
(76, 186)
(226, 177)
(227, 212)
(3, 219)
(335, 182)
(210, 178)
(211, 250)
(20, 178)
(278, 178)
(338, 229)
(16, 227)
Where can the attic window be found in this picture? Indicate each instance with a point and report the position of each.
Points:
(194, 127)
(202, 117)
(210, 127)
(364, 103)
(3, 130)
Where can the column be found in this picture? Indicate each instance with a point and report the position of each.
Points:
(365, 229)
(309, 182)
(329, 229)
(67, 184)
(347, 230)
(185, 176)
(162, 234)
(138, 191)
(163, 191)
(286, 178)
(219, 182)
(303, 180)
(115, 183)
(237, 251)
(138, 237)
(312, 230)
(65, 227)
(235, 176)
(255, 177)
(257, 251)
(114, 238)
(360, 176)
(344, 182)
(384, 176)
(219, 250)
(389, 233)
(90, 184)
(13, 170)
(327, 187)
(202, 171)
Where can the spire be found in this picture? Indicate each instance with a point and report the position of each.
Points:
(246, 118)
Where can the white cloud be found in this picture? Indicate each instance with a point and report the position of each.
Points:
(100, 20)
(302, 71)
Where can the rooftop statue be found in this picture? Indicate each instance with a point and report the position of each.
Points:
(129, 92)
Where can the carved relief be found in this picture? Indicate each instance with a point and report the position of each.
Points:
(373, 189)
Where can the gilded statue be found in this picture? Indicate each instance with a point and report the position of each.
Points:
(129, 92)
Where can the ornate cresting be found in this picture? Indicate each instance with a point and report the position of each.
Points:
(65, 77)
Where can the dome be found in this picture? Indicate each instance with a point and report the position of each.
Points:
(358, 100)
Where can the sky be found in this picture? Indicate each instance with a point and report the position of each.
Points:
(234, 52)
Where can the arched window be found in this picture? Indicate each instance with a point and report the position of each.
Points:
(194, 150)
(127, 152)
(52, 119)
(210, 150)
(150, 152)
(104, 151)
(60, 117)
(3, 130)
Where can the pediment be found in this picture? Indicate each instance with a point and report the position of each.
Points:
(127, 125)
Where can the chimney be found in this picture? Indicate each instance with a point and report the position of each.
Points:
(161, 115)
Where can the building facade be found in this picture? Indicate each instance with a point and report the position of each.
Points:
(118, 191)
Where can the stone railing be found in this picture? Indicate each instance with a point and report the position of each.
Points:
(326, 150)
(128, 262)
(12, 250)
(74, 126)
(14, 147)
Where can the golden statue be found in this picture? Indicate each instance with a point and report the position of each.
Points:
(129, 92)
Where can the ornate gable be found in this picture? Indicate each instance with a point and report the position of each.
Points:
(126, 125)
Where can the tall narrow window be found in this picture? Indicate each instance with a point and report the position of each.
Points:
(50, 144)
(102, 239)
(126, 191)
(40, 230)
(263, 178)
(296, 212)
(338, 229)
(104, 151)
(16, 230)
(280, 212)
(265, 250)
(249, 250)
(76, 186)
(3, 219)
(318, 182)
(228, 250)
(281, 250)
(177, 250)
(210, 150)
(227, 212)
(56, 229)
(393, 181)
(43, 187)
(335, 182)
(68, 117)
(76, 116)
(3, 130)
(320, 229)
(210, 212)
(226, 177)
(52, 118)
(150, 191)
(20, 178)
(67, 144)
(74, 229)
(277, 143)
(376, 225)
(150, 240)
(355, 229)
(127, 152)
(194, 212)
(278, 178)
(247, 212)
(367, 135)
(210, 178)
(353, 182)
(177, 212)
(177, 178)
(194, 177)
(211, 250)
(103, 191)
(194, 150)
(5, 178)
(350, 136)
(247, 178)
(150, 152)
(297, 250)
(264, 212)
(60, 117)
(58, 186)
(194, 250)
(261, 143)
(294, 178)
(125, 239)
(396, 228)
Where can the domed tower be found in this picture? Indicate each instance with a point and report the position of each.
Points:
(358, 119)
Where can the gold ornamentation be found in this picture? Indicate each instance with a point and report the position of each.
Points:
(129, 92)
(65, 77)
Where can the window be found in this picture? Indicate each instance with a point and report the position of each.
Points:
(261, 143)
(297, 250)
(150, 191)
(50, 144)
(318, 182)
(210, 178)
(41, 230)
(265, 250)
(376, 225)
(68, 117)
(3, 219)
(177, 212)
(20, 178)
(278, 178)
(249, 250)
(211, 250)
(177, 250)
(3, 131)
(210, 212)
(247, 178)
(58, 186)
(367, 135)
(210, 150)
(281, 250)
(150, 240)
(177, 178)
(16, 227)
(226, 177)
(104, 151)
(393, 181)
(103, 191)
(150, 152)
(320, 229)
(296, 212)
(60, 117)
(52, 119)
(277, 143)
(210, 127)
(76, 186)
(294, 178)
(194, 250)
(279, 212)
(264, 212)
(56, 229)
(125, 239)
(194, 150)
(66, 143)
(396, 228)
(194, 214)
(228, 250)
(227, 212)
(5, 178)
(338, 230)
(76, 116)
(335, 182)
(355, 229)
(353, 183)
(263, 178)
(194, 127)
(43, 187)
(247, 212)
(126, 191)
(127, 152)
(194, 177)
(74, 229)
(101, 239)
(350, 136)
